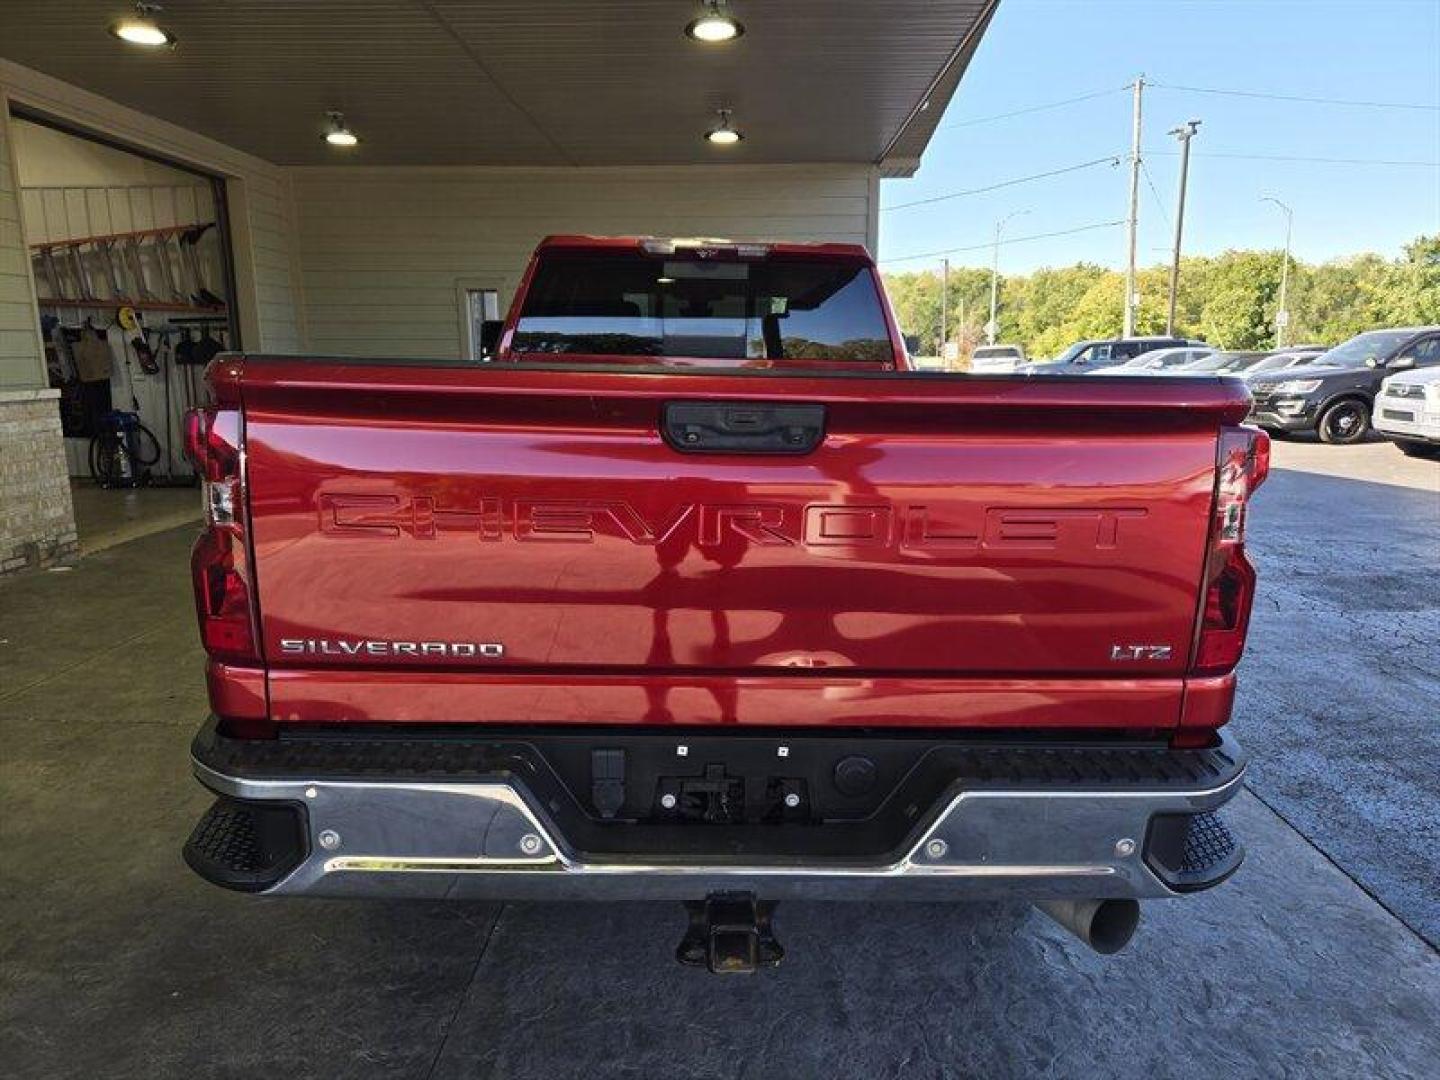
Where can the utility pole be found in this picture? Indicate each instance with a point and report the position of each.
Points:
(944, 306)
(1282, 316)
(1130, 235)
(992, 327)
(1185, 132)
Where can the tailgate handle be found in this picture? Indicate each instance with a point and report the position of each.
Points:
(742, 427)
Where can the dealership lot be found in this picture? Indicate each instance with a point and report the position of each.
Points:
(1320, 956)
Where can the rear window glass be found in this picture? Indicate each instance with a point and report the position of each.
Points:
(770, 309)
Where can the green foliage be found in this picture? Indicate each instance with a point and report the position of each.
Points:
(1241, 299)
(916, 299)
(1036, 308)
(1338, 300)
(1230, 300)
(1416, 292)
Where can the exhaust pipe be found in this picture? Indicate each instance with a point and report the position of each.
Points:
(1105, 925)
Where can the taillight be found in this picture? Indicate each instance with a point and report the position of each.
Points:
(1244, 462)
(219, 562)
(222, 594)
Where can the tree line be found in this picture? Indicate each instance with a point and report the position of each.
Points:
(1229, 300)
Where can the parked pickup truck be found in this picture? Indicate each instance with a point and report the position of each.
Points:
(698, 592)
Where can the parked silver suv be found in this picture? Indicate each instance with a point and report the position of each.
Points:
(1090, 354)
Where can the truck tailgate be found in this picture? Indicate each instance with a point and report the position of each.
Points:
(521, 542)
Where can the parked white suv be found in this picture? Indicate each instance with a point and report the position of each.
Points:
(1407, 411)
(996, 359)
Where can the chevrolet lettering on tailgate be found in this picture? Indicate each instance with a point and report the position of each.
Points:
(493, 519)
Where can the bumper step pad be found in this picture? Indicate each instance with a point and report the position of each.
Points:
(247, 846)
(1193, 851)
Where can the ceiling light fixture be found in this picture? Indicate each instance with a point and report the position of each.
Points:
(339, 134)
(723, 134)
(715, 24)
(141, 28)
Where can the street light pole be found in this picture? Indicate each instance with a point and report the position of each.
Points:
(992, 327)
(1282, 315)
(1133, 224)
(1185, 132)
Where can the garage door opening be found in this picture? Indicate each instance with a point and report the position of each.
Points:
(130, 256)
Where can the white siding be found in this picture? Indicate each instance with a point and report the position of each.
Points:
(382, 251)
(273, 253)
(21, 365)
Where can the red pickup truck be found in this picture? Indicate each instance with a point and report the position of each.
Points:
(696, 590)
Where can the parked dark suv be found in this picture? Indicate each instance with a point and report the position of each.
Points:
(1334, 394)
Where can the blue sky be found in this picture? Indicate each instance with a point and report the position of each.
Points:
(1041, 51)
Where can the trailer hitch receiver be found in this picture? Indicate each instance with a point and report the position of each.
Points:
(730, 933)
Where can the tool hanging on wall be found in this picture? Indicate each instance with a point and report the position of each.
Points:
(111, 357)
(164, 347)
(129, 372)
(193, 354)
(133, 324)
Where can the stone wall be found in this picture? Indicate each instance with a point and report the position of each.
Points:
(37, 521)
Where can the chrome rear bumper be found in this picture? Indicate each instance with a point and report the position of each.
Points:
(397, 837)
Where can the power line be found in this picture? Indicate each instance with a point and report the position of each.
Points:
(1111, 160)
(1307, 160)
(1159, 202)
(1349, 102)
(1012, 240)
(1297, 97)
(1033, 108)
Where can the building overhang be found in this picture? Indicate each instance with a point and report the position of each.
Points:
(547, 82)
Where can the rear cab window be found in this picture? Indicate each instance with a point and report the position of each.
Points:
(767, 311)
